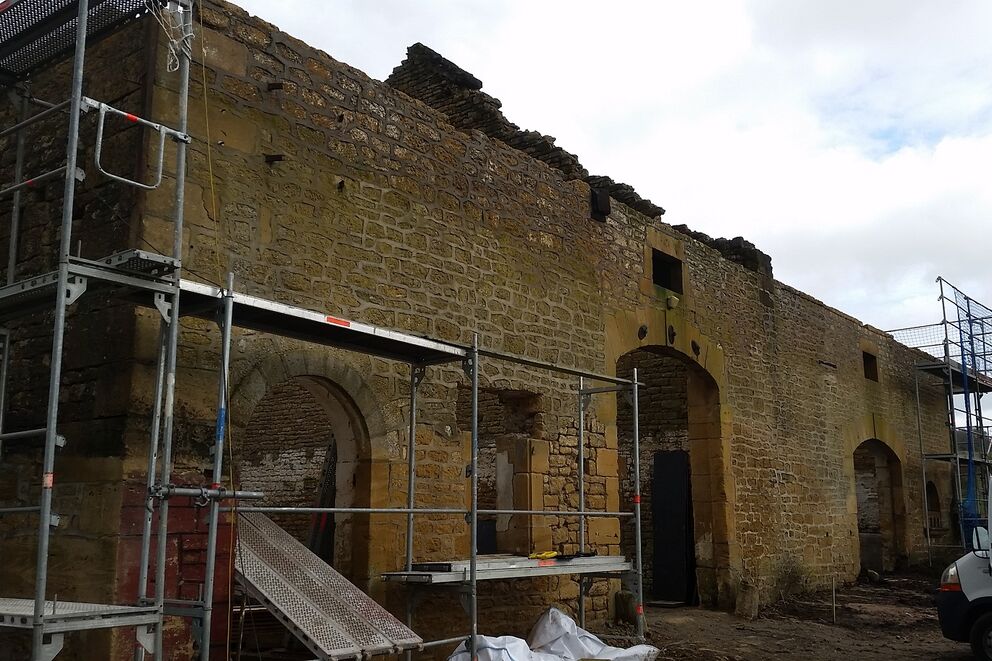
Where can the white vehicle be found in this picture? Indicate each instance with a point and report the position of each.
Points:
(964, 598)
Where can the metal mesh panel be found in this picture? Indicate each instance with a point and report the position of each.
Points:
(300, 585)
(310, 621)
(347, 591)
(139, 261)
(974, 330)
(34, 32)
(929, 338)
(339, 615)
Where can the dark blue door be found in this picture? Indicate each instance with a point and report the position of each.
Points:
(674, 562)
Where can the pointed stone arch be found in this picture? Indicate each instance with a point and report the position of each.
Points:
(871, 432)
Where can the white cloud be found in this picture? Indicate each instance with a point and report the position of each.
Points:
(852, 141)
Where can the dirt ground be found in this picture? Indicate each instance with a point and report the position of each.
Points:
(896, 619)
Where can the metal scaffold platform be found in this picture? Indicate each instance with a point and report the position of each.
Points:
(496, 567)
(464, 574)
(63, 616)
(33, 34)
(254, 313)
(961, 347)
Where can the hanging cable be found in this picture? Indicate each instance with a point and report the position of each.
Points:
(232, 537)
(178, 41)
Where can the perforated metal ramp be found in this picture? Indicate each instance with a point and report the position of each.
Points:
(329, 614)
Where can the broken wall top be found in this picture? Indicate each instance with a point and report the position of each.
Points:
(443, 85)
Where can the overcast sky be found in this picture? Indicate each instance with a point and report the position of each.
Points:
(851, 140)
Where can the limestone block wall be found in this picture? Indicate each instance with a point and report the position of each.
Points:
(381, 211)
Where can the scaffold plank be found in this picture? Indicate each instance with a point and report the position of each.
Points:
(62, 616)
(498, 567)
(285, 320)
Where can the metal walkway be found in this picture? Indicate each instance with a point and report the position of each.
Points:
(72, 616)
(496, 567)
(329, 614)
(61, 617)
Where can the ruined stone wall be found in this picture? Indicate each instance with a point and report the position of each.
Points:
(801, 405)
(794, 403)
(380, 212)
(372, 206)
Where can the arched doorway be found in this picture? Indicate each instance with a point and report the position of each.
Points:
(935, 515)
(683, 491)
(301, 447)
(881, 511)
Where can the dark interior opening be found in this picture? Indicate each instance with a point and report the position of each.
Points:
(871, 365)
(666, 271)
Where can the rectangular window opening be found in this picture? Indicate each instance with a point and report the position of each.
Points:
(666, 271)
(871, 365)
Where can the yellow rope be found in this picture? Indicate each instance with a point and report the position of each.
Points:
(230, 444)
(210, 144)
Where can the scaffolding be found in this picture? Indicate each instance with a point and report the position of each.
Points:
(961, 345)
(37, 32)
(462, 575)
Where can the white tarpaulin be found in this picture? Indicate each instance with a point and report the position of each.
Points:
(555, 637)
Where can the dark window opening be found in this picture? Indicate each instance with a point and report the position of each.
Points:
(871, 365)
(600, 199)
(666, 271)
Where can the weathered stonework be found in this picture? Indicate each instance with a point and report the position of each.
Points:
(387, 210)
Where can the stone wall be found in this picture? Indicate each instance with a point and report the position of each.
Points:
(285, 455)
(440, 83)
(379, 209)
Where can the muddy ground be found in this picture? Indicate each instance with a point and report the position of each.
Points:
(892, 620)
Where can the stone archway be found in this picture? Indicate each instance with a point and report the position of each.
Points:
(708, 424)
(935, 515)
(679, 415)
(302, 447)
(341, 392)
(881, 520)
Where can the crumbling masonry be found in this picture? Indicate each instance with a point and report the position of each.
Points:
(414, 204)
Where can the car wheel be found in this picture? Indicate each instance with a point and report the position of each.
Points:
(981, 637)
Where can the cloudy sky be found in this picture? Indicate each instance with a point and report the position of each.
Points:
(850, 140)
